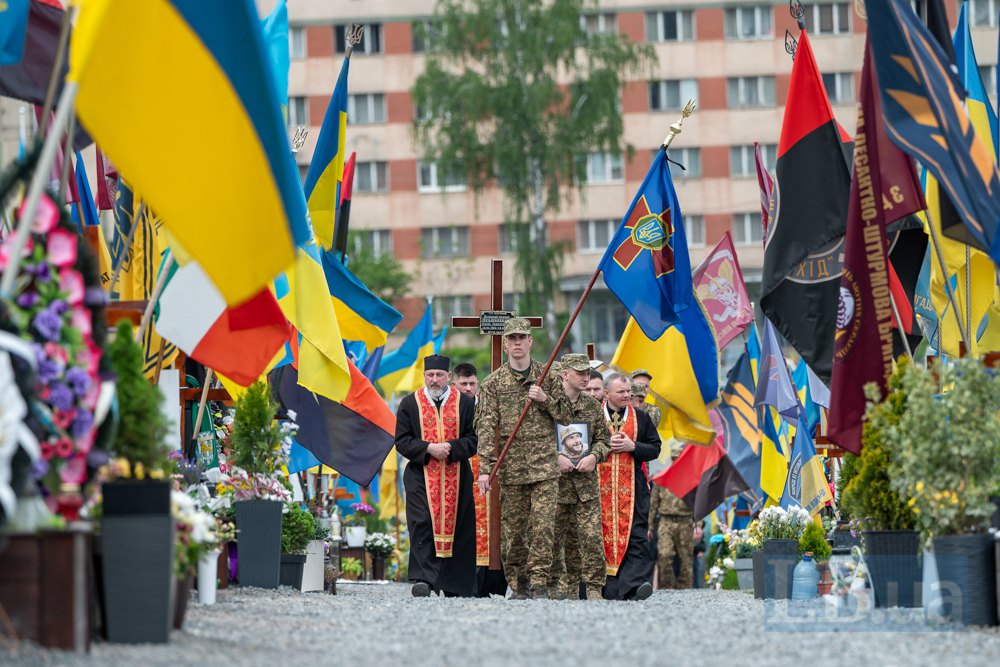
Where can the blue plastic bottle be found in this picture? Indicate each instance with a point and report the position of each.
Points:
(805, 579)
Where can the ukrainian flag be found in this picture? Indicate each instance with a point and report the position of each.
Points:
(326, 170)
(162, 81)
(402, 370)
(773, 465)
(362, 315)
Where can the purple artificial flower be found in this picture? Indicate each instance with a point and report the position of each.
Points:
(58, 306)
(48, 324)
(60, 396)
(28, 299)
(48, 370)
(82, 424)
(41, 271)
(94, 297)
(40, 468)
(78, 380)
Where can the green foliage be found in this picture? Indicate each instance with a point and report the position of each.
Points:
(731, 581)
(142, 428)
(256, 438)
(382, 273)
(352, 568)
(813, 540)
(498, 111)
(746, 549)
(849, 466)
(946, 446)
(870, 495)
(479, 357)
(298, 527)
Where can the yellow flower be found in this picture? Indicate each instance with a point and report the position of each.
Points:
(920, 486)
(140, 472)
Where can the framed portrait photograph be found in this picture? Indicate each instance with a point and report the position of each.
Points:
(573, 441)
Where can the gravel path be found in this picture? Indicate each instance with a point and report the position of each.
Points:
(381, 625)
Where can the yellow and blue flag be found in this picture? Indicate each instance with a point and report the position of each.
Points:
(753, 350)
(977, 100)
(773, 464)
(647, 264)
(362, 315)
(923, 105)
(739, 427)
(13, 26)
(326, 171)
(813, 394)
(204, 67)
(806, 485)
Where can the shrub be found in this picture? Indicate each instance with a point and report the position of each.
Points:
(297, 528)
(813, 541)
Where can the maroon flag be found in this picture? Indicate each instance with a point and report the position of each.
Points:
(884, 180)
(718, 281)
(702, 477)
(766, 187)
(107, 182)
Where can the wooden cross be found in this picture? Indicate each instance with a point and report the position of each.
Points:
(591, 351)
(491, 322)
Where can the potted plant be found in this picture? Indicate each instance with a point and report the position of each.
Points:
(892, 545)
(259, 447)
(208, 562)
(946, 460)
(137, 529)
(779, 531)
(352, 569)
(312, 573)
(297, 529)
(380, 546)
(195, 539)
(743, 553)
(813, 541)
(355, 524)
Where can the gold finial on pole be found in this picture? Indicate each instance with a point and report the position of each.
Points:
(675, 128)
(354, 34)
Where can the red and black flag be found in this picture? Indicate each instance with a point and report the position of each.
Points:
(352, 436)
(28, 79)
(344, 208)
(801, 277)
(702, 477)
(884, 187)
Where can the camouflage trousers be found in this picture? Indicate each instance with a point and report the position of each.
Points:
(674, 538)
(579, 549)
(527, 531)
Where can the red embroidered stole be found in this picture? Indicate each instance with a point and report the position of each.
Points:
(617, 479)
(440, 477)
(482, 519)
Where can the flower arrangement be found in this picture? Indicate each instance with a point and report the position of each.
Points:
(359, 514)
(945, 448)
(743, 543)
(380, 544)
(236, 484)
(58, 295)
(777, 523)
(195, 533)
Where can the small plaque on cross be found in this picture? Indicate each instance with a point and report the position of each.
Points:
(491, 322)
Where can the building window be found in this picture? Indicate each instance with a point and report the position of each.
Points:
(606, 320)
(747, 229)
(828, 18)
(675, 26)
(371, 42)
(366, 109)
(426, 35)
(984, 13)
(428, 179)
(447, 307)
(672, 94)
(598, 24)
(508, 239)
(750, 91)
(839, 87)
(376, 241)
(604, 168)
(594, 235)
(439, 242)
(297, 42)
(988, 73)
(748, 22)
(298, 111)
(694, 229)
(512, 301)
(371, 176)
(743, 163)
(689, 157)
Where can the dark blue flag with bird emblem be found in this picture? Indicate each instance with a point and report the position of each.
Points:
(924, 110)
(647, 264)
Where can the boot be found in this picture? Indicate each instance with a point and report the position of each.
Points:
(594, 594)
(421, 590)
(539, 593)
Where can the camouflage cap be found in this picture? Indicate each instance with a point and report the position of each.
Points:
(556, 367)
(641, 371)
(571, 431)
(516, 325)
(639, 390)
(575, 362)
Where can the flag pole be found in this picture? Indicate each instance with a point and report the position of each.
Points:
(126, 247)
(196, 431)
(936, 242)
(899, 325)
(36, 187)
(50, 93)
(675, 129)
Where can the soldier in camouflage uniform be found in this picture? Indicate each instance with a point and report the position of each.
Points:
(529, 475)
(674, 524)
(579, 545)
(644, 377)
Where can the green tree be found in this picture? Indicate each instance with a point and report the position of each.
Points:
(515, 93)
(382, 273)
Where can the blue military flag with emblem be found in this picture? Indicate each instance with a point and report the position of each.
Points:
(647, 264)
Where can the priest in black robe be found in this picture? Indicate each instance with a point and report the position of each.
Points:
(632, 433)
(436, 434)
